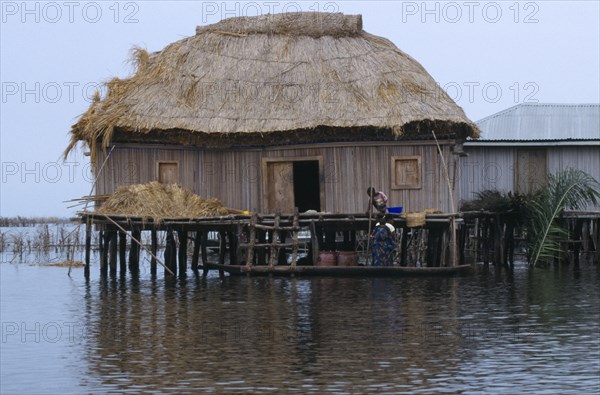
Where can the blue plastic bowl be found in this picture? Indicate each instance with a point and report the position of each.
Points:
(395, 210)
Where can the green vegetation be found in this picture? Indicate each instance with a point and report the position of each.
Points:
(569, 189)
(538, 215)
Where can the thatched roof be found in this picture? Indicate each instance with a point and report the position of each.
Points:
(158, 201)
(258, 76)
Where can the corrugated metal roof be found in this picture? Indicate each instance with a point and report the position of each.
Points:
(543, 122)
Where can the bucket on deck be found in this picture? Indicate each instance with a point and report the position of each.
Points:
(347, 258)
(327, 258)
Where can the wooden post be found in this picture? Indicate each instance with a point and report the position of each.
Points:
(251, 241)
(585, 236)
(113, 252)
(170, 253)
(237, 260)
(462, 243)
(577, 232)
(88, 246)
(314, 241)
(196, 252)
(281, 257)
(105, 239)
(154, 249)
(498, 245)
(486, 235)
(222, 247)
(261, 254)
(443, 251)
(295, 225)
(274, 237)
(222, 250)
(204, 252)
(183, 238)
(433, 246)
(477, 233)
(454, 245)
(404, 247)
(233, 246)
(134, 252)
(122, 253)
(508, 243)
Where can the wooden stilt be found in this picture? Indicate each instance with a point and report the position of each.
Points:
(585, 236)
(295, 225)
(314, 243)
(577, 232)
(432, 247)
(170, 252)
(404, 247)
(444, 241)
(486, 235)
(122, 253)
(251, 241)
(260, 258)
(281, 254)
(134, 252)
(113, 252)
(105, 239)
(453, 243)
(203, 250)
(498, 245)
(183, 238)
(274, 236)
(88, 246)
(196, 252)
(233, 253)
(238, 245)
(222, 250)
(154, 249)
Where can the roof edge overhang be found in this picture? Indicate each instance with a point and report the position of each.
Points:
(542, 143)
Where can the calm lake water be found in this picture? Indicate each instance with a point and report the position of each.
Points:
(521, 332)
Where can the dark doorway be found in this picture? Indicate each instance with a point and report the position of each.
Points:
(307, 192)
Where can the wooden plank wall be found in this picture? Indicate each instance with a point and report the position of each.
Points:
(486, 168)
(235, 176)
(489, 167)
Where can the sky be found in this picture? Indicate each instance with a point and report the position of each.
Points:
(488, 56)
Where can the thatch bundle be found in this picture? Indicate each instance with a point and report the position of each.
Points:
(256, 77)
(311, 24)
(158, 201)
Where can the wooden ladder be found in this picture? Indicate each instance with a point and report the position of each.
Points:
(274, 245)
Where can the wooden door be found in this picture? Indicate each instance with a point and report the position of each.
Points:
(531, 170)
(279, 187)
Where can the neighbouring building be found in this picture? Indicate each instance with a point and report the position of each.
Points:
(520, 146)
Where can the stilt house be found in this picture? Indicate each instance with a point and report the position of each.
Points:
(273, 112)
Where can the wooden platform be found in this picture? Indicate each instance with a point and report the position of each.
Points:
(341, 271)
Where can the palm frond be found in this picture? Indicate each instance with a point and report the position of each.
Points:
(569, 189)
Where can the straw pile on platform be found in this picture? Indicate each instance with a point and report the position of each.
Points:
(159, 201)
